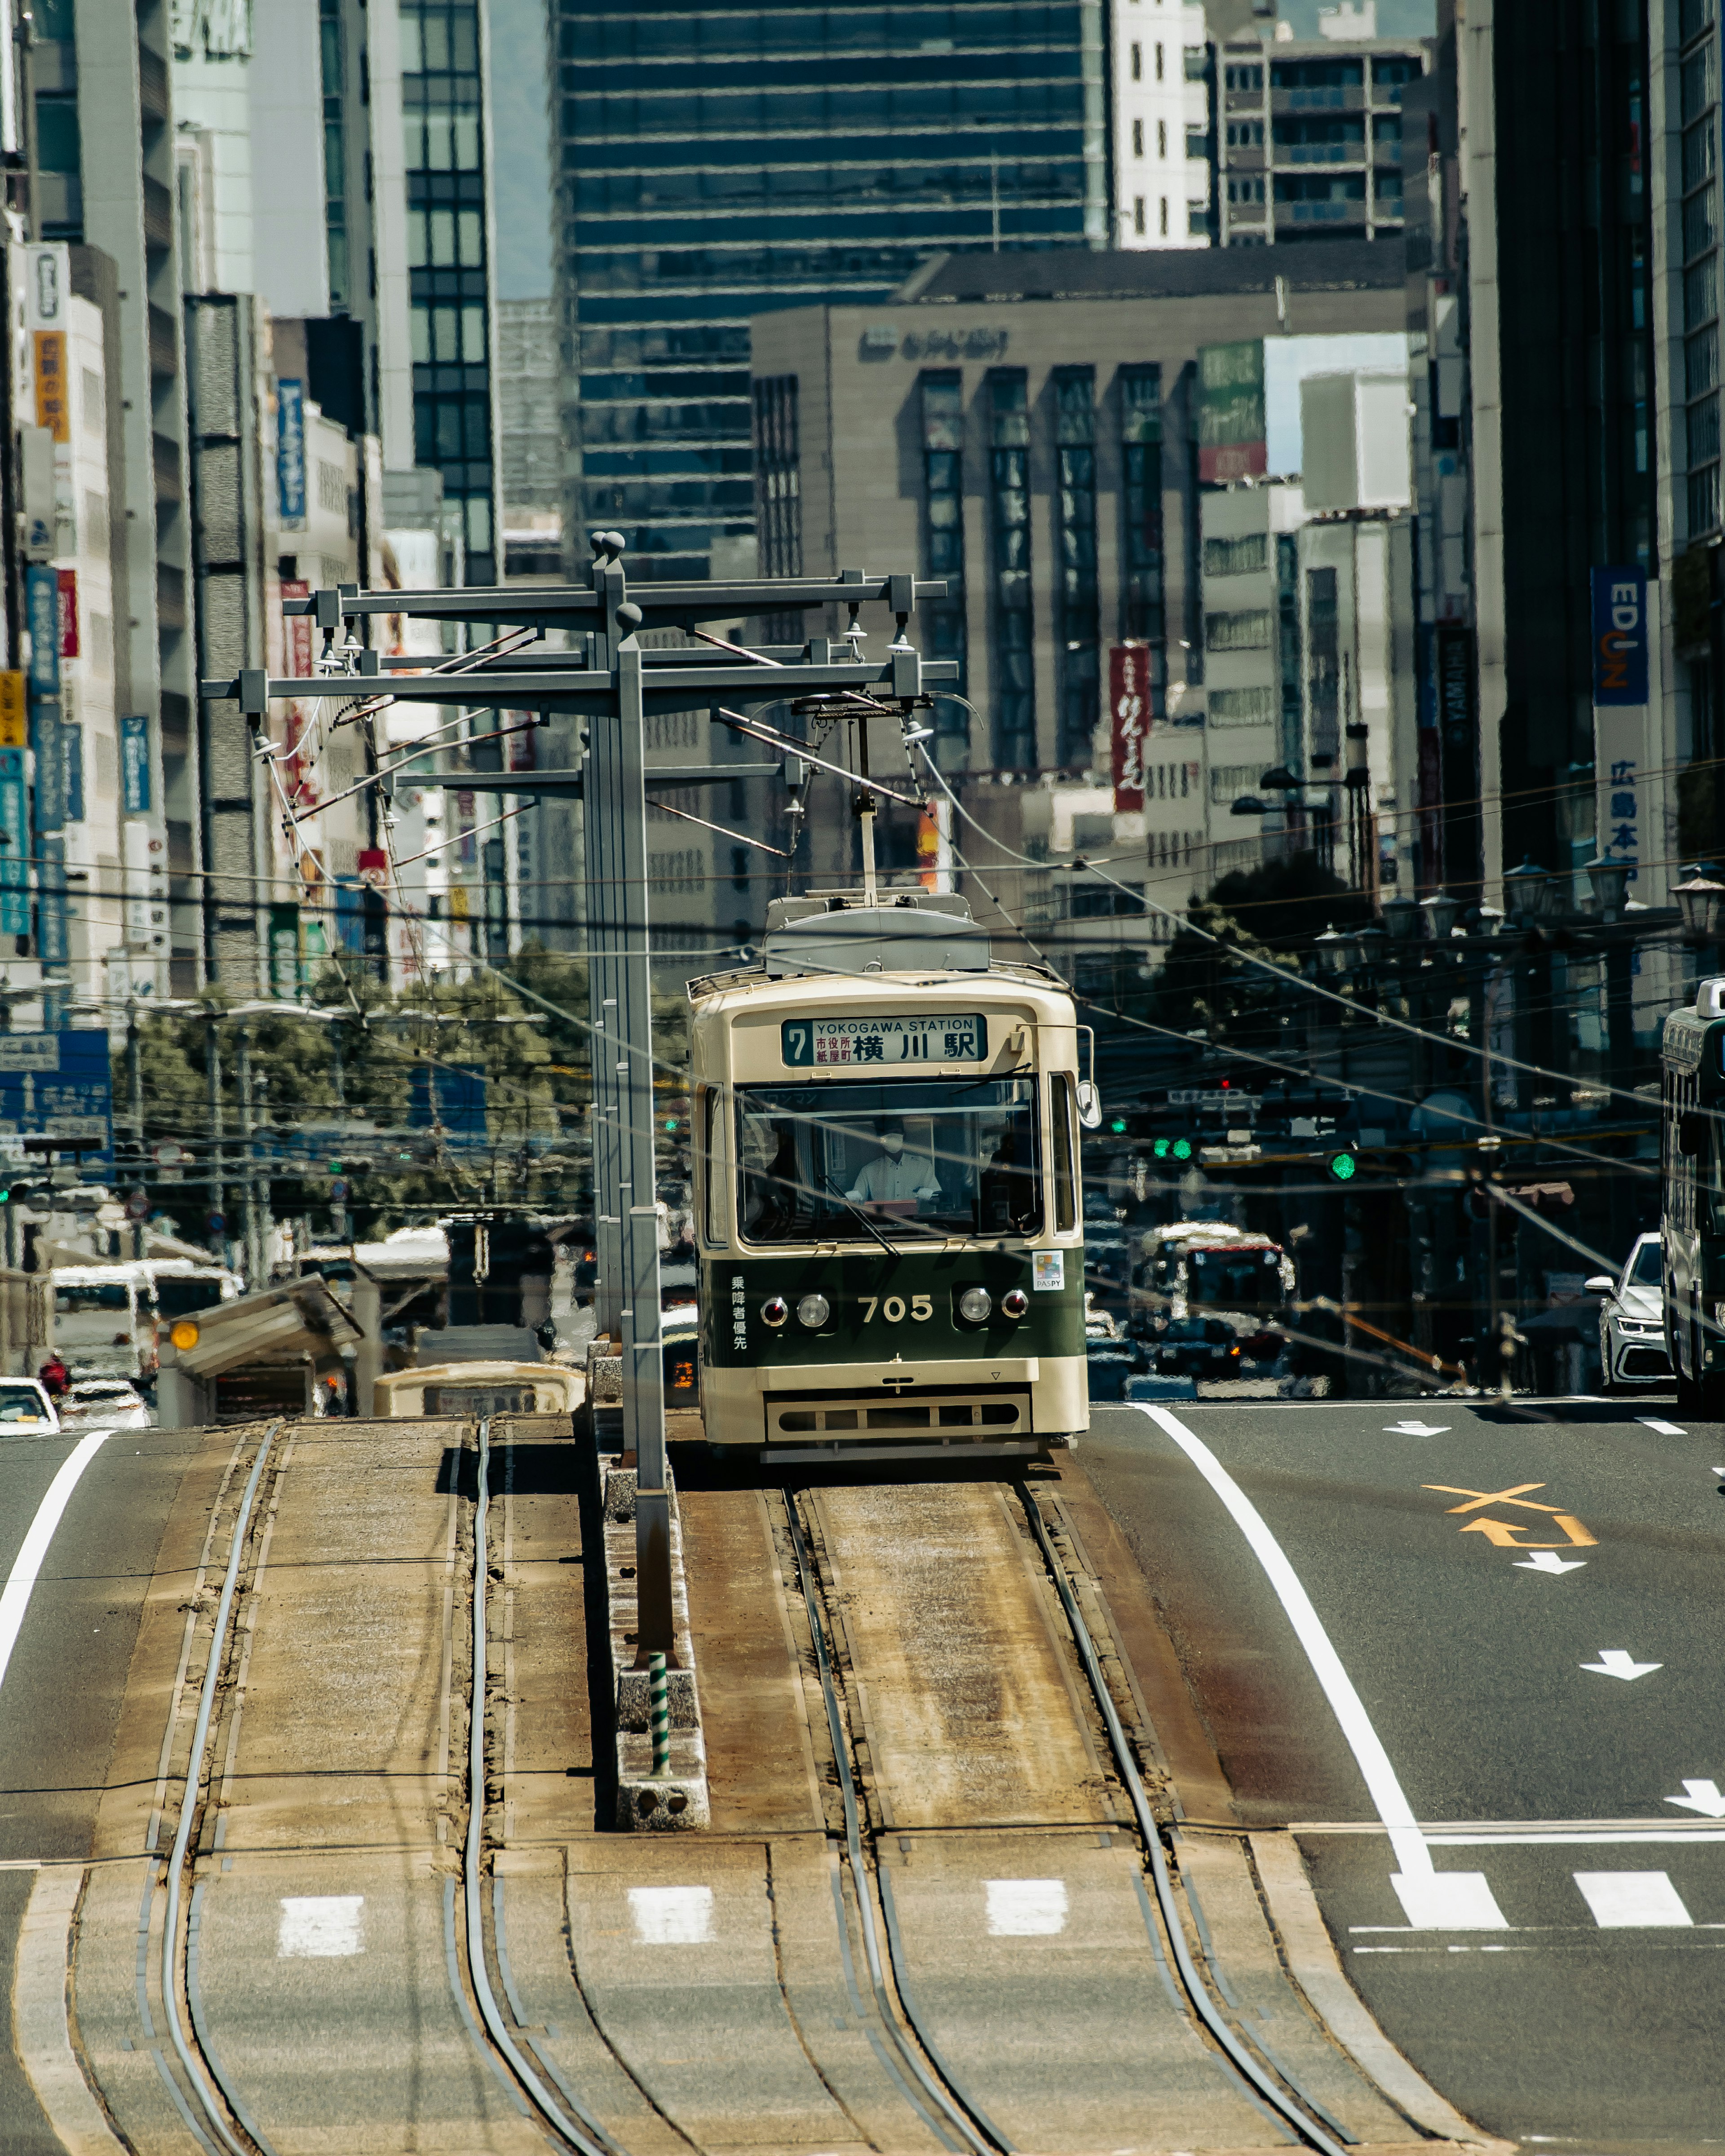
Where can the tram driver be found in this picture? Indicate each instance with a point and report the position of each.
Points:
(894, 1180)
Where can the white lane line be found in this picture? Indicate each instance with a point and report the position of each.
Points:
(22, 1579)
(1620, 1900)
(319, 1927)
(1026, 1908)
(672, 1916)
(1665, 1428)
(1434, 1900)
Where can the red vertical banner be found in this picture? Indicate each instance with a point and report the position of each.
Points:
(69, 613)
(1128, 721)
(298, 626)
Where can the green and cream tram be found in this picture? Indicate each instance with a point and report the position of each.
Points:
(1692, 1198)
(891, 1222)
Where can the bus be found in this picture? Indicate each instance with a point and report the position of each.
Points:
(107, 1317)
(1692, 1198)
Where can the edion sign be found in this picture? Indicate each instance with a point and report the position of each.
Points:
(1619, 636)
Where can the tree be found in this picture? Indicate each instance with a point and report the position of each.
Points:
(1269, 915)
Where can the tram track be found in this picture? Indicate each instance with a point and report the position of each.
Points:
(1264, 2080)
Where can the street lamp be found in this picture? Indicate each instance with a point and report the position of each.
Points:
(1700, 900)
(1530, 889)
(1610, 882)
(1401, 916)
(1442, 913)
(1334, 949)
(1249, 805)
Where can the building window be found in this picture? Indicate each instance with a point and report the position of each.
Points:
(335, 154)
(1288, 611)
(1236, 558)
(1197, 143)
(1138, 214)
(1137, 138)
(778, 476)
(1248, 630)
(1142, 618)
(1161, 138)
(1159, 63)
(943, 550)
(1009, 518)
(1698, 85)
(1323, 638)
(1164, 222)
(1137, 62)
(1198, 64)
(1241, 707)
(1078, 622)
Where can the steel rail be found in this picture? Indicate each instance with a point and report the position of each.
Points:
(207, 2102)
(589, 2137)
(1263, 2083)
(961, 2110)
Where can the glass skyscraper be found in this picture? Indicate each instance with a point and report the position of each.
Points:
(713, 162)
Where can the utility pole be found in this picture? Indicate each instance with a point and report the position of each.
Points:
(135, 1102)
(248, 1193)
(213, 1096)
(615, 682)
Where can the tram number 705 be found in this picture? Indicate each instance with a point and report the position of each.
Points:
(893, 1308)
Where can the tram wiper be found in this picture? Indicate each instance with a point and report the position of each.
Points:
(856, 1212)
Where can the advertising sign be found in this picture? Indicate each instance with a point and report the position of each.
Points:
(48, 739)
(54, 949)
(134, 764)
(1619, 636)
(42, 615)
(13, 723)
(72, 740)
(291, 453)
(925, 1037)
(14, 846)
(69, 613)
(1128, 721)
(53, 405)
(1233, 436)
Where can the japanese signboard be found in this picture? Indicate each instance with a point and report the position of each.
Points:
(14, 846)
(291, 453)
(834, 1043)
(42, 614)
(1619, 636)
(1128, 721)
(134, 764)
(1233, 436)
(56, 1085)
(53, 408)
(13, 723)
(69, 612)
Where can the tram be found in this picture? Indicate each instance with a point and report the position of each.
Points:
(1692, 1198)
(891, 1223)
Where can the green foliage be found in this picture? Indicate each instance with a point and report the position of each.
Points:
(1269, 914)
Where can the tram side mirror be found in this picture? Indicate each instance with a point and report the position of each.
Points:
(1692, 1134)
(1090, 1104)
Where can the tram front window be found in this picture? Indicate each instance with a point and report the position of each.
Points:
(945, 1158)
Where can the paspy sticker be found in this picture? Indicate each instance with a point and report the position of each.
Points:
(1048, 1269)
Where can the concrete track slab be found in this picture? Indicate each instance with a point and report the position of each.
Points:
(970, 1698)
(761, 1772)
(328, 1992)
(675, 1950)
(119, 2026)
(1032, 1967)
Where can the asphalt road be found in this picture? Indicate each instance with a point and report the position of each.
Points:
(1561, 1977)
(61, 1689)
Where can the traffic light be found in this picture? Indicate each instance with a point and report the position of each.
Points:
(1117, 1125)
(1171, 1149)
(1342, 1166)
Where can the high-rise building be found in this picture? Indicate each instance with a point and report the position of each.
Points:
(711, 165)
(1161, 70)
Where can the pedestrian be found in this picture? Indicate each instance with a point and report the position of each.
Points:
(55, 1378)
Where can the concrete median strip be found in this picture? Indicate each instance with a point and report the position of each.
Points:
(39, 2027)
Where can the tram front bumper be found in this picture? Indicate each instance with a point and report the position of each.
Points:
(1007, 1406)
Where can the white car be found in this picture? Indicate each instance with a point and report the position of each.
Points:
(1632, 1349)
(103, 1403)
(25, 1408)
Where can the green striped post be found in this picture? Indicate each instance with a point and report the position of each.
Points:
(659, 1687)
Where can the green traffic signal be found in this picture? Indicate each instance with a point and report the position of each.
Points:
(671, 1122)
(1343, 1167)
(1182, 1149)
(1118, 1124)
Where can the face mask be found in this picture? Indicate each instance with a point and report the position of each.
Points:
(893, 1144)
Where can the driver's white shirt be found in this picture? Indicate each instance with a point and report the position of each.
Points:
(885, 1180)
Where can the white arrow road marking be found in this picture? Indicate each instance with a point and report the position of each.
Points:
(1434, 1900)
(1615, 1662)
(15, 1598)
(1411, 1428)
(1665, 1428)
(1703, 1797)
(1549, 1561)
(672, 1916)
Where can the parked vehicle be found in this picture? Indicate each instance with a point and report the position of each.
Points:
(108, 1318)
(105, 1404)
(1632, 1347)
(25, 1408)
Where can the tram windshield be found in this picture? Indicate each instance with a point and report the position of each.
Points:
(942, 1158)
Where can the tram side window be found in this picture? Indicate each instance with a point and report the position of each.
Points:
(849, 1161)
(1061, 1113)
(713, 1186)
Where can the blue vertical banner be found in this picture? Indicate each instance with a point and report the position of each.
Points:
(42, 615)
(47, 738)
(134, 765)
(290, 452)
(72, 742)
(1619, 636)
(14, 846)
(51, 902)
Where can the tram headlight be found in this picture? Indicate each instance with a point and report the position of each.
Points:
(1014, 1303)
(813, 1310)
(974, 1306)
(775, 1311)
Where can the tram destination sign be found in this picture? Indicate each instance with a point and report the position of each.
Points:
(850, 1043)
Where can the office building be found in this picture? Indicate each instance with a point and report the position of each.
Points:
(708, 167)
(1058, 417)
(1308, 134)
(1160, 101)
